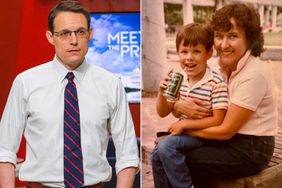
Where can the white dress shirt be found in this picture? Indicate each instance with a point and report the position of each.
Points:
(35, 108)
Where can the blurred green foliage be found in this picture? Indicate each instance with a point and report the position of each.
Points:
(173, 14)
(202, 13)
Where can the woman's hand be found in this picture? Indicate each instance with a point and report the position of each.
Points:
(192, 108)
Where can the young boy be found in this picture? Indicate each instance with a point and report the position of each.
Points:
(194, 46)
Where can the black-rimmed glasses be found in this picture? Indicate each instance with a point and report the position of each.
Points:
(66, 34)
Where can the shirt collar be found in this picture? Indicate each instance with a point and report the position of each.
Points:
(208, 76)
(79, 72)
(241, 64)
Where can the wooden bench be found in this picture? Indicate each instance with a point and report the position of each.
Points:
(271, 177)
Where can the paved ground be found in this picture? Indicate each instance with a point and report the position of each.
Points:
(151, 122)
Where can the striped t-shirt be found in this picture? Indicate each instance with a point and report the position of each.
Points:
(211, 88)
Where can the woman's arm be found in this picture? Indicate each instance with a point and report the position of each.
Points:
(214, 120)
(235, 118)
(192, 108)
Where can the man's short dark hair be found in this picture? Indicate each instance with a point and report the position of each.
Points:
(247, 18)
(193, 34)
(67, 6)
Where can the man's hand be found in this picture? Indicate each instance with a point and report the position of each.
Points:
(175, 129)
(192, 108)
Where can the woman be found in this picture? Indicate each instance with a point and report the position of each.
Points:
(244, 142)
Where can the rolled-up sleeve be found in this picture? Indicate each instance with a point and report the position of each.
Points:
(123, 134)
(12, 123)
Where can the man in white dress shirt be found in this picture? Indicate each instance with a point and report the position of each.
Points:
(35, 109)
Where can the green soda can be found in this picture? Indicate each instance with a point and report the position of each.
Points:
(171, 93)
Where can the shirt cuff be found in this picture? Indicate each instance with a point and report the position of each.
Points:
(126, 163)
(8, 157)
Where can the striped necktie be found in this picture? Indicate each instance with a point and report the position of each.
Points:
(73, 167)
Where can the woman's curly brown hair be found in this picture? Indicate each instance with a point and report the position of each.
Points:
(246, 18)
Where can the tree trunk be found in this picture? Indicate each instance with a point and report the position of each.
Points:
(153, 44)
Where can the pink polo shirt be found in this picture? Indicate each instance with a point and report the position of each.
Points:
(252, 86)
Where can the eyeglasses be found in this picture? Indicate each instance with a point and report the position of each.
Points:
(66, 34)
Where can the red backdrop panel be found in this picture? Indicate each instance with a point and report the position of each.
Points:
(10, 18)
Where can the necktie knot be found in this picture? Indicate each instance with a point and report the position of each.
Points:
(70, 76)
